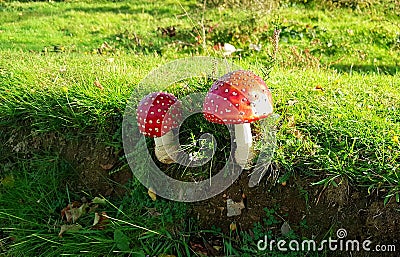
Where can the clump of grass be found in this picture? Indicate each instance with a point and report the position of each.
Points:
(33, 199)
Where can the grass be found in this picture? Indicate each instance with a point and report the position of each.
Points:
(335, 87)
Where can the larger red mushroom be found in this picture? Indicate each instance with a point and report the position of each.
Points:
(157, 114)
(239, 98)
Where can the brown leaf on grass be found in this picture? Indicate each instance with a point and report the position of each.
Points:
(100, 221)
(152, 211)
(107, 166)
(297, 133)
(291, 122)
(292, 102)
(74, 213)
(168, 31)
(97, 84)
(319, 88)
(198, 248)
(152, 194)
(72, 227)
(75, 210)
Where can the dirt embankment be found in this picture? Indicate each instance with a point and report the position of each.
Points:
(311, 211)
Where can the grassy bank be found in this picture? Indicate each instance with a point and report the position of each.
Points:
(68, 68)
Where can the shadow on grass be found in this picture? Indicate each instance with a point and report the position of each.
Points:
(128, 9)
(380, 69)
(96, 9)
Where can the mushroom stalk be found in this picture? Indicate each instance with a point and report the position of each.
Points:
(166, 148)
(243, 154)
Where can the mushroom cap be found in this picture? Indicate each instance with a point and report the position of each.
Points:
(158, 113)
(238, 97)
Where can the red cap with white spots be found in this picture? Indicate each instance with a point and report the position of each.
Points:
(238, 97)
(154, 116)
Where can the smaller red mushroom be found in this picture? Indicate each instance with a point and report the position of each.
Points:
(239, 98)
(157, 114)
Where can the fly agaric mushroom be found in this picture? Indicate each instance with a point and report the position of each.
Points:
(157, 114)
(239, 98)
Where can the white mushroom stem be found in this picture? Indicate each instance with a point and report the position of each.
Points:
(243, 154)
(167, 147)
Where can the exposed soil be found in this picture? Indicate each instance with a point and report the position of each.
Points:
(311, 211)
(95, 167)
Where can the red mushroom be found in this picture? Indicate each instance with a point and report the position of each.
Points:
(157, 114)
(239, 98)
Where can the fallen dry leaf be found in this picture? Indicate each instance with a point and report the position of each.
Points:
(75, 210)
(72, 227)
(319, 88)
(292, 102)
(297, 133)
(152, 211)
(76, 213)
(107, 166)
(152, 194)
(285, 229)
(234, 208)
(233, 226)
(291, 122)
(97, 84)
(198, 248)
(216, 247)
(100, 221)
